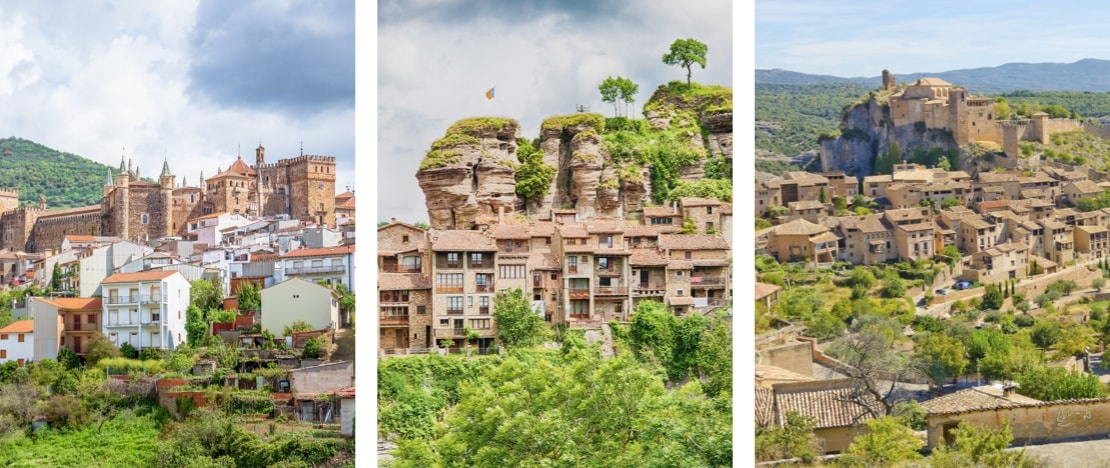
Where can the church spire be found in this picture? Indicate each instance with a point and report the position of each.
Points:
(165, 167)
(108, 182)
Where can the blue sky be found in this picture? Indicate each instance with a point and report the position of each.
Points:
(436, 58)
(861, 38)
(190, 80)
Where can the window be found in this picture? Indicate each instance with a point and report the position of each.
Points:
(421, 310)
(482, 281)
(476, 260)
(483, 304)
(547, 241)
(3, 336)
(452, 260)
(572, 241)
(679, 292)
(580, 308)
(512, 271)
(449, 281)
(454, 304)
(554, 276)
(605, 241)
(572, 264)
(470, 301)
(479, 324)
(405, 239)
(689, 255)
(3, 354)
(444, 322)
(709, 210)
(143, 218)
(20, 337)
(602, 263)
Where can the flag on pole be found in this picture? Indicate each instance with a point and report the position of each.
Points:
(489, 94)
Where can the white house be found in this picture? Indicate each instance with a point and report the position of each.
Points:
(146, 309)
(84, 270)
(17, 342)
(209, 229)
(332, 264)
(296, 299)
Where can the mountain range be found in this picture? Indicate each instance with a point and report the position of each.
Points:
(1086, 75)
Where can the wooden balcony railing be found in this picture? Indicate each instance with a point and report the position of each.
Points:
(483, 288)
(390, 319)
(454, 311)
(578, 293)
(610, 291)
(483, 310)
(449, 289)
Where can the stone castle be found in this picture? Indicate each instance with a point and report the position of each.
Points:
(939, 105)
(136, 210)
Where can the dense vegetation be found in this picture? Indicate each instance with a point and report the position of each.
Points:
(568, 405)
(65, 179)
(789, 118)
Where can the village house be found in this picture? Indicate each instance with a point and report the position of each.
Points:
(64, 322)
(17, 342)
(296, 299)
(145, 309)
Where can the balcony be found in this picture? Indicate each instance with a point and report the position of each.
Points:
(152, 320)
(482, 264)
(610, 291)
(483, 310)
(454, 311)
(76, 327)
(151, 298)
(483, 288)
(707, 282)
(646, 289)
(393, 320)
(316, 270)
(572, 270)
(113, 300)
(392, 268)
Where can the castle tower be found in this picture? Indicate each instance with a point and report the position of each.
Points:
(957, 117)
(1040, 127)
(123, 201)
(260, 155)
(9, 200)
(165, 180)
(109, 185)
(888, 80)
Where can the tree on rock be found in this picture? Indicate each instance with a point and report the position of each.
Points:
(685, 53)
(617, 90)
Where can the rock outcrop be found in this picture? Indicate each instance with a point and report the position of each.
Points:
(470, 172)
(867, 132)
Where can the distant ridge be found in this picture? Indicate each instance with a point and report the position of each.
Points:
(1091, 75)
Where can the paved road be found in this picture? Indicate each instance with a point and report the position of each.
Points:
(1087, 454)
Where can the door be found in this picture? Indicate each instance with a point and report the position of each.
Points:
(401, 337)
(427, 336)
(644, 277)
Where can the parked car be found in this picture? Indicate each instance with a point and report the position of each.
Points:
(942, 292)
(961, 285)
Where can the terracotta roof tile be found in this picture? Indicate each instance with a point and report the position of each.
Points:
(462, 240)
(321, 252)
(764, 406)
(763, 290)
(831, 407)
(659, 212)
(977, 398)
(694, 242)
(799, 227)
(140, 276)
(576, 230)
(647, 257)
(20, 326)
(75, 303)
(692, 202)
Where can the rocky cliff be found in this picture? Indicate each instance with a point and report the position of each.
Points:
(867, 131)
(470, 172)
(597, 167)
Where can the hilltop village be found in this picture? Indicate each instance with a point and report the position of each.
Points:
(235, 294)
(930, 303)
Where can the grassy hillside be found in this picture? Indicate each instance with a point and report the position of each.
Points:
(67, 180)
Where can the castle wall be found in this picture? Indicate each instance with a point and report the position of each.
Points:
(1061, 125)
(48, 232)
(9, 200)
(188, 203)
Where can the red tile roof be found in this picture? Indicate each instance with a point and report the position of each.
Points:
(321, 252)
(20, 326)
(140, 276)
(76, 303)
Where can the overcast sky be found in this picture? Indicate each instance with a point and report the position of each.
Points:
(436, 58)
(187, 80)
(861, 38)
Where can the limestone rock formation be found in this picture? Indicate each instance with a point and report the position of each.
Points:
(470, 172)
(868, 131)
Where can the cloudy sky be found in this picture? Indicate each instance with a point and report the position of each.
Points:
(861, 38)
(187, 80)
(436, 58)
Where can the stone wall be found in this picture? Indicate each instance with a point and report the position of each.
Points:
(795, 357)
(1041, 422)
(48, 232)
(322, 378)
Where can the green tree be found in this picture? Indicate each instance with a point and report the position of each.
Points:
(862, 276)
(950, 201)
(422, 225)
(196, 328)
(628, 91)
(100, 347)
(56, 277)
(794, 439)
(313, 349)
(533, 177)
(207, 294)
(894, 288)
(992, 298)
(1046, 333)
(980, 446)
(715, 357)
(943, 356)
(249, 297)
(517, 323)
(886, 443)
(609, 89)
(128, 351)
(685, 53)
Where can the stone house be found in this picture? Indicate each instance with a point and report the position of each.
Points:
(464, 277)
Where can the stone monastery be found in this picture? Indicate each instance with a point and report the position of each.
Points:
(133, 209)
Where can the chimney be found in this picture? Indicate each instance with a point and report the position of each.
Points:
(392, 220)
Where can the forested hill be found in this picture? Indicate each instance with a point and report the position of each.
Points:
(66, 179)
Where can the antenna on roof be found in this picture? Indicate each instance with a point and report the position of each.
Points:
(302, 147)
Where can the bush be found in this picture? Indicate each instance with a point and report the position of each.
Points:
(314, 349)
(128, 351)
